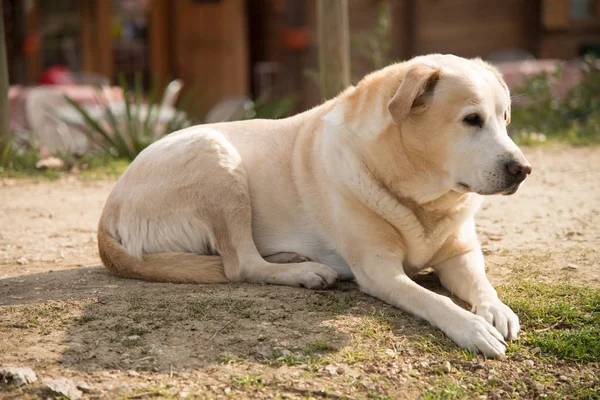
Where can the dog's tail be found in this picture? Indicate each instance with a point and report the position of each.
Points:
(161, 267)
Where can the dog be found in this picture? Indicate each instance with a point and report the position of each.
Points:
(374, 185)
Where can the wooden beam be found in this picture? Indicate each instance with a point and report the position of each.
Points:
(160, 54)
(34, 60)
(104, 52)
(87, 37)
(4, 111)
(334, 46)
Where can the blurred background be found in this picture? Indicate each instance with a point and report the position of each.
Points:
(84, 70)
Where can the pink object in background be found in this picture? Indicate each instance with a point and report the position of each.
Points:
(82, 94)
(57, 75)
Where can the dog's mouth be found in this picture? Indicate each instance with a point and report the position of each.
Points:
(464, 186)
(512, 189)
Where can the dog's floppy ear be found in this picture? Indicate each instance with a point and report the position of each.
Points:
(415, 90)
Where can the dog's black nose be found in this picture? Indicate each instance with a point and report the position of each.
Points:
(518, 170)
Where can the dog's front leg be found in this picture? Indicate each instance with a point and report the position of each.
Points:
(382, 276)
(464, 275)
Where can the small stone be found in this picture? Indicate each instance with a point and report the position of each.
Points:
(340, 370)
(528, 363)
(50, 163)
(286, 353)
(133, 373)
(84, 387)
(536, 350)
(563, 378)
(17, 376)
(572, 266)
(479, 365)
(133, 338)
(261, 337)
(424, 364)
(184, 395)
(331, 370)
(22, 261)
(63, 387)
(227, 390)
(539, 387)
(446, 367)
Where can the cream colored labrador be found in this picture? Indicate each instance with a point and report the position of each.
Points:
(375, 185)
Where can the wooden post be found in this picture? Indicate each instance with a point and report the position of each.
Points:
(334, 46)
(4, 111)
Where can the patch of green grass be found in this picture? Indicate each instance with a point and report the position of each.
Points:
(562, 320)
(99, 168)
(249, 380)
(443, 391)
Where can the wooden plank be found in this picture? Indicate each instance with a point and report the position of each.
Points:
(104, 54)
(210, 48)
(470, 28)
(555, 14)
(34, 60)
(87, 37)
(160, 54)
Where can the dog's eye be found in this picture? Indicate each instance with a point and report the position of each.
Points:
(505, 116)
(473, 120)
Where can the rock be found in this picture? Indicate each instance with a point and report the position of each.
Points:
(424, 364)
(227, 390)
(184, 395)
(479, 365)
(446, 367)
(528, 363)
(539, 387)
(64, 387)
(286, 353)
(571, 266)
(50, 163)
(22, 261)
(536, 350)
(331, 370)
(18, 376)
(132, 373)
(133, 338)
(563, 378)
(84, 387)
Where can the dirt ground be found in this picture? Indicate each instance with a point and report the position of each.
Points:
(63, 315)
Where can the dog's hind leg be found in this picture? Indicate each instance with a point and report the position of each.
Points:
(243, 262)
(227, 210)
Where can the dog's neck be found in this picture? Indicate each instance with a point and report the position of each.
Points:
(358, 121)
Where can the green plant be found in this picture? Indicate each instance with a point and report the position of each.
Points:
(575, 118)
(374, 45)
(133, 129)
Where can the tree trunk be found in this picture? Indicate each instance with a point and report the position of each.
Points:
(4, 114)
(334, 46)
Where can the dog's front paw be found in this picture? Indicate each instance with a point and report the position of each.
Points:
(501, 316)
(476, 334)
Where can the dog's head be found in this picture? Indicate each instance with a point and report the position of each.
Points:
(451, 114)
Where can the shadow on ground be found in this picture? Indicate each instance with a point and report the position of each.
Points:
(114, 323)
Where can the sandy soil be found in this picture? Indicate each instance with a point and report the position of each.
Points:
(64, 315)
